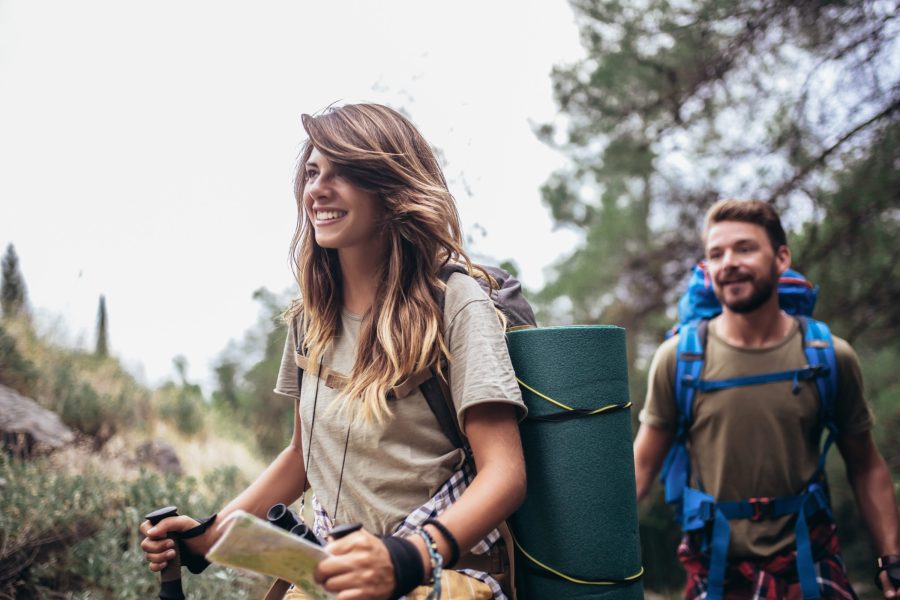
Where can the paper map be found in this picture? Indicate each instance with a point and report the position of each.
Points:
(255, 545)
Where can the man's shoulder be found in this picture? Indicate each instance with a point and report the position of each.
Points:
(846, 358)
(842, 348)
(664, 359)
(844, 353)
(669, 348)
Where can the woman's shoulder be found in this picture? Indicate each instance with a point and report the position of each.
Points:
(462, 290)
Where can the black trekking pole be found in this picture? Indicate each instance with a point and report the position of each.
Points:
(170, 577)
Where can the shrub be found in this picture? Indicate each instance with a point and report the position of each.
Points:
(79, 533)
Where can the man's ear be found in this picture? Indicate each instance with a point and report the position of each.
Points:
(783, 258)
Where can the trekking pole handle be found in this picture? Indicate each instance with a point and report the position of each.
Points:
(170, 577)
(340, 531)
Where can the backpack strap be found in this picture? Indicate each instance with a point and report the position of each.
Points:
(438, 396)
(436, 389)
(818, 346)
(689, 362)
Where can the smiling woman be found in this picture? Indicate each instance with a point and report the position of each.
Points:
(343, 215)
(376, 227)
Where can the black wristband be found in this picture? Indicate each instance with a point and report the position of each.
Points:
(891, 564)
(196, 563)
(451, 540)
(408, 568)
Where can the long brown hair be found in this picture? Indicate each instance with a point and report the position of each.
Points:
(379, 150)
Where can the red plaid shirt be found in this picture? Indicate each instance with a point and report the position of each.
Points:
(772, 578)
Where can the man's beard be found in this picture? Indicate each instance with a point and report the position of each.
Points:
(762, 291)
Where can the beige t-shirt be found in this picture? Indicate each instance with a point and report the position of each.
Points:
(394, 468)
(755, 441)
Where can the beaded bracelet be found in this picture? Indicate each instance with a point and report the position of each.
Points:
(437, 562)
(451, 541)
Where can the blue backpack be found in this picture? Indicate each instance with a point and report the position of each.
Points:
(696, 509)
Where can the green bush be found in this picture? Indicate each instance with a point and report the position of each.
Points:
(82, 407)
(16, 371)
(78, 534)
(183, 406)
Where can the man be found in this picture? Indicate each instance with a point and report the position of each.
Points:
(760, 441)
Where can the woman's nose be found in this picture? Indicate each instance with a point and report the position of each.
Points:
(314, 188)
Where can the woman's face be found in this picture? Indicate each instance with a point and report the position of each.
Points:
(343, 215)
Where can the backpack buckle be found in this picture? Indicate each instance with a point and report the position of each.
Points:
(763, 508)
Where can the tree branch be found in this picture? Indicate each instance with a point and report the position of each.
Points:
(803, 172)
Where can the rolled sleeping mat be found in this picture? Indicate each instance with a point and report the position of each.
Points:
(576, 534)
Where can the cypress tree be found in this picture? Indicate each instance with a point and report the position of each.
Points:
(12, 286)
(102, 349)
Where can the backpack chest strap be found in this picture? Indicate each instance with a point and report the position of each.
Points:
(807, 373)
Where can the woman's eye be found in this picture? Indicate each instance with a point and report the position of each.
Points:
(311, 174)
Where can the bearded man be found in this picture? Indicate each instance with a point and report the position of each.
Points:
(753, 447)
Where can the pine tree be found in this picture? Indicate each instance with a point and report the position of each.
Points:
(12, 287)
(102, 349)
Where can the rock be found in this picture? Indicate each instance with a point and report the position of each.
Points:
(27, 427)
(161, 455)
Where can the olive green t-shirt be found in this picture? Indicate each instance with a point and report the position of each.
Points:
(393, 468)
(755, 441)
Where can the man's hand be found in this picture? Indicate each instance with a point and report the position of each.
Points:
(888, 584)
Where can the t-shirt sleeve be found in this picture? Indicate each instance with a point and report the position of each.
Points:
(286, 383)
(480, 368)
(659, 406)
(852, 412)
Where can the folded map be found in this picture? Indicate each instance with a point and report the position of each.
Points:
(255, 545)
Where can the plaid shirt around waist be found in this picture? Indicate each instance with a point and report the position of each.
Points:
(446, 495)
(775, 577)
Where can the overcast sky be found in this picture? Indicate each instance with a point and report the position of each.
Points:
(147, 149)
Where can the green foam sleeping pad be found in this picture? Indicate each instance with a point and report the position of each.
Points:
(580, 511)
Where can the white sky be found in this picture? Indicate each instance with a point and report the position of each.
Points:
(146, 149)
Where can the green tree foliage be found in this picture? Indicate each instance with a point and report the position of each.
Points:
(102, 348)
(182, 403)
(16, 371)
(675, 105)
(12, 287)
(245, 390)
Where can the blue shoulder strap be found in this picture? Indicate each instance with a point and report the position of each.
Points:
(818, 345)
(688, 367)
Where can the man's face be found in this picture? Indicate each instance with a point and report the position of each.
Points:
(742, 264)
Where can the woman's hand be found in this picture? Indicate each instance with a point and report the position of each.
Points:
(360, 568)
(158, 549)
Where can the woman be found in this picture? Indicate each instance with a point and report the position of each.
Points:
(376, 222)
